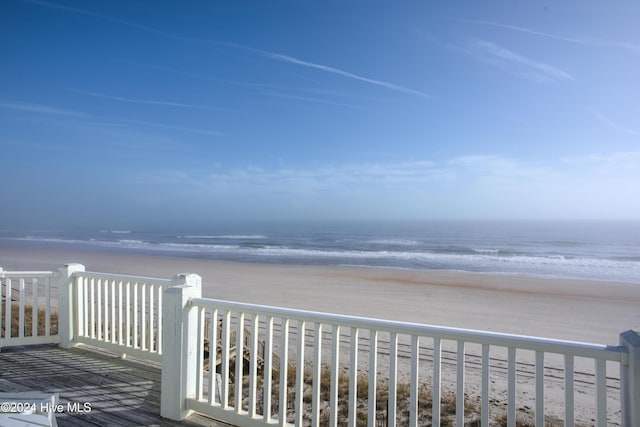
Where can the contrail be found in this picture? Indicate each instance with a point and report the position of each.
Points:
(590, 42)
(144, 101)
(292, 60)
(274, 56)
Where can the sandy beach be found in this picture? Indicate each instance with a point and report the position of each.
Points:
(577, 310)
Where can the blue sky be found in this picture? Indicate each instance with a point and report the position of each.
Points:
(134, 113)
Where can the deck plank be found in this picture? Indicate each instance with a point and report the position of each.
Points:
(121, 392)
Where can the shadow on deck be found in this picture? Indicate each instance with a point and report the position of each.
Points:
(121, 392)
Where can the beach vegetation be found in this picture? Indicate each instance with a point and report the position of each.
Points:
(403, 398)
(28, 321)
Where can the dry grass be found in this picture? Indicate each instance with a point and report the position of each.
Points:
(28, 321)
(403, 398)
(521, 421)
(403, 409)
(526, 420)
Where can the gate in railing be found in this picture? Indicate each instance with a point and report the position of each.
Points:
(26, 313)
(410, 374)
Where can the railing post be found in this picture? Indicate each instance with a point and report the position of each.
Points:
(179, 346)
(67, 304)
(630, 379)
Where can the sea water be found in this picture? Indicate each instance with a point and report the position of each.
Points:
(602, 250)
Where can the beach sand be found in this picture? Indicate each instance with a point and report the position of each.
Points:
(576, 310)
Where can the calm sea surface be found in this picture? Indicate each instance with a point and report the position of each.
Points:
(604, 250)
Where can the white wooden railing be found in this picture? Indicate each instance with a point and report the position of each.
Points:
(415, 334)
(115, 312)
(359, 367)
(27, 295)
(428, 349)
(119, 313)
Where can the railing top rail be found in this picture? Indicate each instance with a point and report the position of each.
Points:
(123, 277)
(30, 274)
(574, 348)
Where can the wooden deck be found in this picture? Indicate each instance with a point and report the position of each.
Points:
(121, 392)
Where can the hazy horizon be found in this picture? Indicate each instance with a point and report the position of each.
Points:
(138, 114)
(246, 225)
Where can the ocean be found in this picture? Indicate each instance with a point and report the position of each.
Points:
(601, 250)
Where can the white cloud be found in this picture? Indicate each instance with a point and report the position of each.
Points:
(467, 170)
(474, 186)
(499, 166)
(611, 164)
(329, 177)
